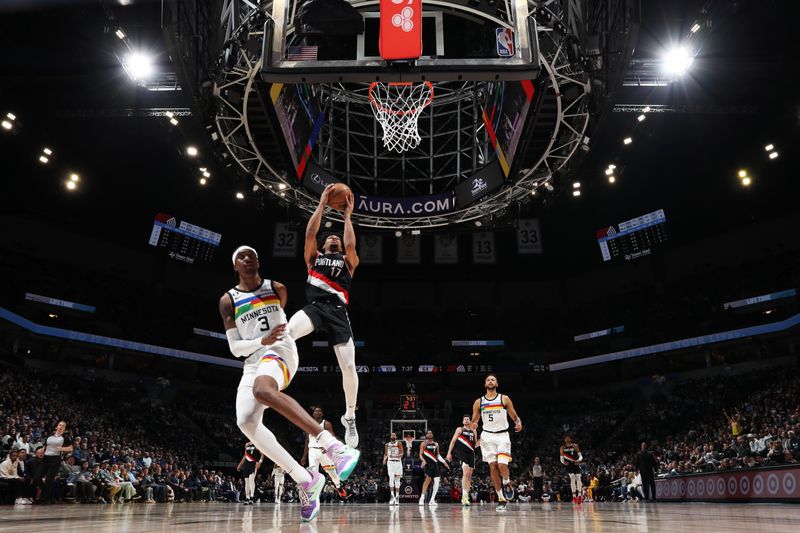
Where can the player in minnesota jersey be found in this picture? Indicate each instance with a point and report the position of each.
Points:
(330, 273)
(493, 410)
(571, 457)
(255, 325)
(312, 450)
(393, 459)
(462, 448)
(430, 457)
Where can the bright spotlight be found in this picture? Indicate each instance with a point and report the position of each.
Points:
(576, 184)
(206, 174)
(119, 33)
(612, 179)
(770, 147)
(746, 181)
(203, 181)
(398, 233)
(203, 169)
(695, 28)
(646, 109)
(478, 223)
(173, 121)
(281, 186)
(533, 192)
(640, 118)
(43, 159)
(6, 125)
(609, 171)
(612, 166)
(773, 155)
(139, 66)
(47, 151)
(678, 60)
(627, 140)
(191, 151)
(11, 116)
(71, 185)
(576, 193)
(74, 178)
(240, 196)
(742, 173)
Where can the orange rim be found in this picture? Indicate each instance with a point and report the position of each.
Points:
(381, 107)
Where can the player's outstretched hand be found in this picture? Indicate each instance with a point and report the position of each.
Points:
(518, 426)
(323, 198)
(350, 205)
(274, 335)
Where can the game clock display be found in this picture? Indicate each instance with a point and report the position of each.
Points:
(633, 238)
(408, 403)
(182, 240)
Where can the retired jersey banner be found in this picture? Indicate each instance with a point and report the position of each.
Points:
(483, 247)
(408, 250)
(445, 248)
(370, 249)
(401, 29)
(285, 243)
(529, 237)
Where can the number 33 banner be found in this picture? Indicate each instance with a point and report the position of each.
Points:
(483, 247)
(529, 237)
(285, 244)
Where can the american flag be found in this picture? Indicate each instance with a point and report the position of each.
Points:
(302, 53)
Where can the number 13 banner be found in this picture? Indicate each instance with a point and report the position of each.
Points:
(483, 247)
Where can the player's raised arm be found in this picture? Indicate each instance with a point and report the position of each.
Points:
(509, 405)
(312, 228)
(280, 290)
(350, 254)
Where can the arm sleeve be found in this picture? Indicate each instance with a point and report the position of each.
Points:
(240, 348)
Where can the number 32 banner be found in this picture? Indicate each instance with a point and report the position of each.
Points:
(285, 243)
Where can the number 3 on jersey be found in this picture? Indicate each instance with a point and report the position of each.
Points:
(264, 322)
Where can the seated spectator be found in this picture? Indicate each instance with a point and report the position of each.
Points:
(10, 473)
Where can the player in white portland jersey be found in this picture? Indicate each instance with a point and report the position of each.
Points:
(255, 325)
(493, 410)
(315, 454)
(393, 459)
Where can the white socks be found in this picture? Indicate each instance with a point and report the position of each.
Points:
(346, 356)
(435, 489)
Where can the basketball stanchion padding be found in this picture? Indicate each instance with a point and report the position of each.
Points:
(400, 29)
(397, 106)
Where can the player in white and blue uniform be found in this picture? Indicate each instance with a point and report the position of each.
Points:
(393, 459)
(493, 410)
(255, 325)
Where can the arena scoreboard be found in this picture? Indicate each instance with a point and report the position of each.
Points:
(184, 241)
(633, 238)
(408, 403)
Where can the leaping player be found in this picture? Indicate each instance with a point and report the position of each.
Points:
(392, 457)
(430, 457)
(255, 325)
(462, 447)
(330, 273)
(314, 453)
(493, 410)
(572, 457)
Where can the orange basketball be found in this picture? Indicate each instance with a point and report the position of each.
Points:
(337, 199)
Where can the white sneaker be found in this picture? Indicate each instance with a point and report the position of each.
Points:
(350, 431)
(422, 501)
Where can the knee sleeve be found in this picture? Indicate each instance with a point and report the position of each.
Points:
(300, 325)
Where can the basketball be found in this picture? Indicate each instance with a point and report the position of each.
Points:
(337, 199)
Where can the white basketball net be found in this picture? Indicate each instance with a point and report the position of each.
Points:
(397, 107)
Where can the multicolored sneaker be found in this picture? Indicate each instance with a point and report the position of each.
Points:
(508, 491)
(501, 506)
(350, 431)
(344, 459)
(465, 501)
(309, 496)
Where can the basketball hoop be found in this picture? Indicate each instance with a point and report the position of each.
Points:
(397, 106)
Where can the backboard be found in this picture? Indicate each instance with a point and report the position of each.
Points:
(461, 40)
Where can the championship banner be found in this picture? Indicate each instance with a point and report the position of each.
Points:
(529, 237)
(483, 248)
(445, 248)
(401, 29)
(285, 243)
(370, 249)
(408, 250)
(778, 484)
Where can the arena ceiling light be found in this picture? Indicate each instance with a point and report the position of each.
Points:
(71, 185)
(742, 173)
(677, 61)
(695, 28)
(203, 181)
(609, 171)
(43, 159)
(612, 179)
(206, 174)
(139, 66)
(627, 140)
(74, 178)
(240, 196)
(770, 147)
(746, 181)
(576, 184)
(576, 193)
(119, 33)
(192, 151)
(773, 155)
(641, 118)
